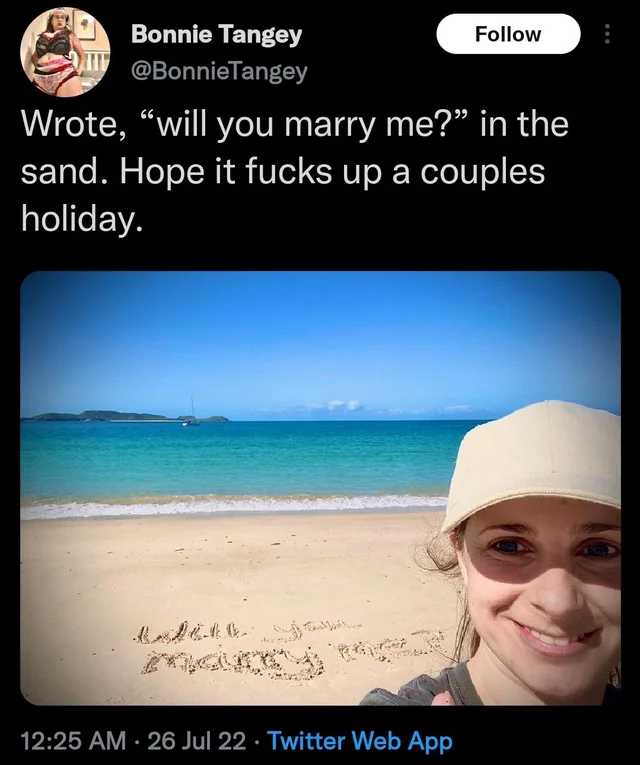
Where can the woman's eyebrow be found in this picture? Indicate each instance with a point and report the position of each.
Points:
(521, 528)
(594, 528)
(514, 528)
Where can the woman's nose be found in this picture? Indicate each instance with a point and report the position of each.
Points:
(557, 592)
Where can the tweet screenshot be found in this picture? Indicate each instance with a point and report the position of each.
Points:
(317, 316)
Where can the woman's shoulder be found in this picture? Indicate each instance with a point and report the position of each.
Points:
(381, 697)
(422, 689)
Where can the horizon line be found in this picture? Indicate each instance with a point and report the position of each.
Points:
(326, 419)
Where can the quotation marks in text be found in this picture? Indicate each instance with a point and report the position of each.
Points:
(447, 116)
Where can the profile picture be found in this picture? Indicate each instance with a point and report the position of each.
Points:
(65, 52)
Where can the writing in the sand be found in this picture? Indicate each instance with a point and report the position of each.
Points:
(295, 631)
(200, 631)
(418, 643)
(278, 663)
(197, 632)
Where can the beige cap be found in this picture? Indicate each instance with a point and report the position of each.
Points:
(550, 448)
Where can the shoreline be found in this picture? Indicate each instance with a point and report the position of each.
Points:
(244, 514)
(226, 505)
(279, 608)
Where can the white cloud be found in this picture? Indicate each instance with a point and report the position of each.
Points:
(335, 406)
(458, 408)
(338, 405)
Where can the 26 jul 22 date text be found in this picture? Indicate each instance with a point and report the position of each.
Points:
(208, 740)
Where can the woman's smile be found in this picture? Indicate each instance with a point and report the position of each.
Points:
(553, 644)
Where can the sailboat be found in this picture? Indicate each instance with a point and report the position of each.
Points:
(192, 422)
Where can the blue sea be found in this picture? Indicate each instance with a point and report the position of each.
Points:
(78, 469)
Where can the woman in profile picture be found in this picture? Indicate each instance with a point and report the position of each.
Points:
(55, 73)
(533, 527)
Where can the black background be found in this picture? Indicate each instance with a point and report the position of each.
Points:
(369, 60)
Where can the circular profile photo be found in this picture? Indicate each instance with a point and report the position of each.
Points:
(65, 52)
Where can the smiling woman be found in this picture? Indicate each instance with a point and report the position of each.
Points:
(542, 578)
(533, 526)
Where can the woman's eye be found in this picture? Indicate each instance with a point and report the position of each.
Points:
(508, 546)
(599, 549)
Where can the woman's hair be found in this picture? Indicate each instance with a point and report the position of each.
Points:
(443, 555)
(50, 20)
(441, 549)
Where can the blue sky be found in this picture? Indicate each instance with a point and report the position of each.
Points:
(319, 345)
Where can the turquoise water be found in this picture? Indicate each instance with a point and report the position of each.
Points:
(77, 468)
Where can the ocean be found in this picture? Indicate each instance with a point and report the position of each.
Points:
(86, 469)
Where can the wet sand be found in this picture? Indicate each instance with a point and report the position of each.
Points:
(256, 609)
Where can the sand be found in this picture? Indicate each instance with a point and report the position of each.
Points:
(260, 609)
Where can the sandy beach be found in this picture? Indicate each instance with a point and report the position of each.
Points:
(259, 609)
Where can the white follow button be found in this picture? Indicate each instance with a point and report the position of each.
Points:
(494, 33)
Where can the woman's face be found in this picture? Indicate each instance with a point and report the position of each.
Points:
(58, 20)
(543, 587)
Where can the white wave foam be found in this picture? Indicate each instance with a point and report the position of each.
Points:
(222, 504)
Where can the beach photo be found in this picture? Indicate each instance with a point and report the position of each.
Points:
(231, 485)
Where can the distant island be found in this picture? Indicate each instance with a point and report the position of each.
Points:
(107, 415)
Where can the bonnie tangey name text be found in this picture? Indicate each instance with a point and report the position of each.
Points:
(227, 34)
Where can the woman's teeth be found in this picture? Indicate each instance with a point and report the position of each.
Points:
(549, 640)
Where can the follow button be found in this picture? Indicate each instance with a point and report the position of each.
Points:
(519, 33)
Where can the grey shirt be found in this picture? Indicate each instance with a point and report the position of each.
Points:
(421, 690)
